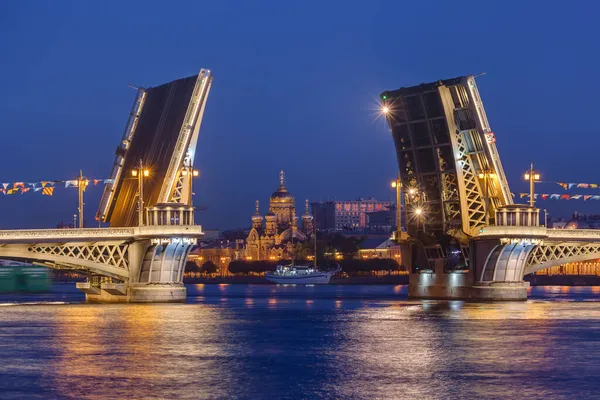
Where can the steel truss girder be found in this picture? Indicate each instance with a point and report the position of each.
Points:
(114, 255)
(549, 255)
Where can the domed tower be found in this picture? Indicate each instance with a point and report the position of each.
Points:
(282, 205)
(271, 227)
(307, 221)
(257, 219)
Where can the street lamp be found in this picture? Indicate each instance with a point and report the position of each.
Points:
(398, 185)
(140, 172)
(417, 198)
(531, 176)
(189, 170)
(419, 214)
(485, 174)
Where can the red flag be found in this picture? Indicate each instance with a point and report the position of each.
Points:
(565, 196)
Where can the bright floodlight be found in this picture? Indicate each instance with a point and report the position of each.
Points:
(412, 191)
(394, 184)
(146, 172)
(419, 211)
(385, 110)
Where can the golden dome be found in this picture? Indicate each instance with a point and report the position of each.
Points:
(281, 195)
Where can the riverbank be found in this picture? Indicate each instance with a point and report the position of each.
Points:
(534, 280)
(355, 280)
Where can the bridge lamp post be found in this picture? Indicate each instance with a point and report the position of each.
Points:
(140, 172)
(486, 174)
(413, 195)
(194, 173)
(419, 214)
(398, 186)
(532, 176)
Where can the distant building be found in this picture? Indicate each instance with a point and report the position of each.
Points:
(219, 252)
(380, 248)
(382, 221)
(346, 215)
(272, 237)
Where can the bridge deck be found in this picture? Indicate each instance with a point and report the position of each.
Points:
(99, 234)
(525, 232)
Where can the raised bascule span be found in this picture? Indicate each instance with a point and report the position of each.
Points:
(133, 260)
(467, 240)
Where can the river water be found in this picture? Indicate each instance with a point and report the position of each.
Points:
(300, 342)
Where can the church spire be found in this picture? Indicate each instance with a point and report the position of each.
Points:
(257, 219)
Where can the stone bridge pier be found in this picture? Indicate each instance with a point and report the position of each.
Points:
(500, 256)
(130, 264)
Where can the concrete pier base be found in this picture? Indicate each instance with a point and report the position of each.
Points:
(458, 286)
(157, 293)
(138, 293)
(500, 291)
(439, 286)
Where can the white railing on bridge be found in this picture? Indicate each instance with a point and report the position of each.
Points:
(28, 235)
(539, 232)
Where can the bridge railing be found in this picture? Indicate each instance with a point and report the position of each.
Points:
(164, 231)
(539, 232)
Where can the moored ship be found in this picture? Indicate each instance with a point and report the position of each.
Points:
(300, 274)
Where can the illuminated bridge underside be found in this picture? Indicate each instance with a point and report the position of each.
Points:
(544, 248)
(143, 263)
(162, 131)
(443, 141)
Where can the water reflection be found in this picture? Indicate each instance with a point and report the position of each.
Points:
(268, 342)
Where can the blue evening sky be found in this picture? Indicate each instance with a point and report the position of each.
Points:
(295, 88)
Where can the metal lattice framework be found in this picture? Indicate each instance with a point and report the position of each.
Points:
(114, 255)
(178, 191)
(549, 255)
(472, 199)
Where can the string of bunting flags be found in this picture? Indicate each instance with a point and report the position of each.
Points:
(558, 196)
(46, 187)
(571, 185)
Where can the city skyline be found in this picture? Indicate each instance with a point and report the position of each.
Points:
(324, 133)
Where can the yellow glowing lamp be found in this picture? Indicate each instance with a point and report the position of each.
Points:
(146, 172)
(418, 211)
(196, 172)
(412, 191)
(526, 177)
(481, 175)
(134, 172)
(184, 172)
(536, 177)
(394, 184)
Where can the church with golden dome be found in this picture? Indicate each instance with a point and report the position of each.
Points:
(271, 236)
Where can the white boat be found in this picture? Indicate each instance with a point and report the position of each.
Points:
(299, 274)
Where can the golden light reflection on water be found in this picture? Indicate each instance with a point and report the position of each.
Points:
(133, 343)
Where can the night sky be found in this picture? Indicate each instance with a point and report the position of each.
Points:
(295, 88)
